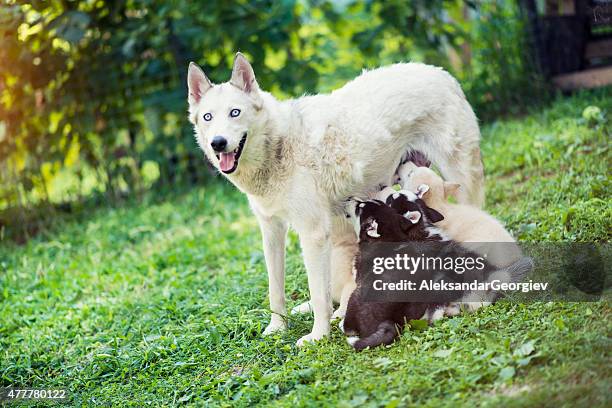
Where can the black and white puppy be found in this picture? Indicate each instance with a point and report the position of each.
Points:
(403, 223)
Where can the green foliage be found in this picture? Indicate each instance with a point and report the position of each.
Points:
(501, 77)
(162, 302)
(92, 93)
(559, 164)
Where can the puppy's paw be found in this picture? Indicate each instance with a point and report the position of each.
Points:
(452, 309)
(352, 340)
(338, 314)
(435, 315)
(309, 338)
(277, 324)
(302, 308)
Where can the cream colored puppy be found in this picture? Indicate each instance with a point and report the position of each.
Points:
(476, 229)
(462, 223)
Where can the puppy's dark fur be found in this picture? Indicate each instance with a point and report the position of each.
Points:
(379, 323)
(401, 204)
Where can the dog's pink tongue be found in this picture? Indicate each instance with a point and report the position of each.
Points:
(226, 162)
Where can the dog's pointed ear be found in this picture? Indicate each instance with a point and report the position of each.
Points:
(450, 189)
(243, 77)
(432, 215)
(197, 82)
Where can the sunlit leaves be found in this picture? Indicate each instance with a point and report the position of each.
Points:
(95, 70)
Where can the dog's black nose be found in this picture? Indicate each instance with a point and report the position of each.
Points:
(218, 143)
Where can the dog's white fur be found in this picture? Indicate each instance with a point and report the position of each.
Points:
(303, 156)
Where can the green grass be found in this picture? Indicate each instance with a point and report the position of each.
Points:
(162, 302)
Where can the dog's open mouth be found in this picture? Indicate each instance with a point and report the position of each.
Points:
(228, 162)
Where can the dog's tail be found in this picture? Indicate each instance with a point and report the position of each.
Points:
(384, 334)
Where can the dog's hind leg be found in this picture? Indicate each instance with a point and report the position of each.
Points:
(465, 168)
(453, 145)
(476, 176)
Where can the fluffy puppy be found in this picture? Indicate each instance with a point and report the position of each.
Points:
(376, 323)
(373, 324)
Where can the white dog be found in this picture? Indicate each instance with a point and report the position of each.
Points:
(297, 160)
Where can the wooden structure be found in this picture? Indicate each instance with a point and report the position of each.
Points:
(572, 41)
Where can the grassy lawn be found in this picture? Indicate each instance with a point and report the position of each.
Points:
(162, 302)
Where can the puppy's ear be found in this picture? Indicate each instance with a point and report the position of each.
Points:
(371, 228)
(422, 190)
(243, 78)
(432, 215)
(413, 216)
(197, 82)
(450, 189)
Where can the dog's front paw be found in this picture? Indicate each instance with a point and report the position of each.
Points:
(277, 324)
(309, 338)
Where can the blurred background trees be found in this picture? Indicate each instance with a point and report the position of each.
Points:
(93, 95)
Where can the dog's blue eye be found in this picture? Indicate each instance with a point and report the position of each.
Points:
(234, 113)
(207, 117)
